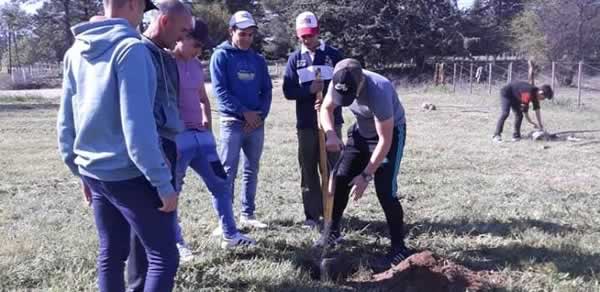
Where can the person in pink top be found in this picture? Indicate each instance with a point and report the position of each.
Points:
(196, 146)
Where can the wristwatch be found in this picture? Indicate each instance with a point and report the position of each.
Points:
(367, 177)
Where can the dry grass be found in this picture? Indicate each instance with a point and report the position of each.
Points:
(529, 214)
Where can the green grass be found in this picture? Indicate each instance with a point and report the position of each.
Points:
(530, 215)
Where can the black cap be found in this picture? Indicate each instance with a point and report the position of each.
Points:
(347, 75)
(547, 90)
(150, 6)
(200, 33)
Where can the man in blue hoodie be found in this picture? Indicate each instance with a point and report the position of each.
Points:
(172, 24)
(104, 137)
(242, 84)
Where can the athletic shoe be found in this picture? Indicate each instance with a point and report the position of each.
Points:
(394, 257)
(497, 139)
(217, 232)
(185, 254)
(399, 254)
(251, 221)
(310, 224)
(328, 239)
(238, 240)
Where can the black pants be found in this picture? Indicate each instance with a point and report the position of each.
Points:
(137, 262)
(308, 159)
(353, 160)
(508, 102)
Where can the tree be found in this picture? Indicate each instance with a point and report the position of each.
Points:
(16, 25)
(559, 30)
(53, 21)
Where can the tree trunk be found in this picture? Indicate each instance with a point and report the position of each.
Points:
(9, 52)
(67, 24)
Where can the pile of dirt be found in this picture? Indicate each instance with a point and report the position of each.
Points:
(426, 272)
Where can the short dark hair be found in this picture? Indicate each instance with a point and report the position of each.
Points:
(173, 7)
(547, 90)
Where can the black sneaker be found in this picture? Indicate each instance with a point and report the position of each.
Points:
(328, 239)
(398, 254)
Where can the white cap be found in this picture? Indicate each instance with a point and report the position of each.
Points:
(306, 23)
(242, 19)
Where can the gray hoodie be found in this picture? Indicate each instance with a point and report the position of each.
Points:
(106, 127)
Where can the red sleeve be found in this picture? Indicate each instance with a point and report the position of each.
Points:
(525, 97)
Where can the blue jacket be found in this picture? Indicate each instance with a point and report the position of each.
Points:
(106, 127)
(166, 112)
(241, 82)
(299, 74)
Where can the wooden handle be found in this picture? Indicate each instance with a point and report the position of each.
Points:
(323, 165)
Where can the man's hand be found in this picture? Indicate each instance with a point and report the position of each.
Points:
(87, 194)
(318, 103)
(252, 118)
(333, 142)
(317, 86)
(249, 128)
(169, 204)
(206, 125)
(359, 184)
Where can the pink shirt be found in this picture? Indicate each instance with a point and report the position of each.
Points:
(191, 77)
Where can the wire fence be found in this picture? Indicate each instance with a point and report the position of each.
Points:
(31, 76)
(578, 83)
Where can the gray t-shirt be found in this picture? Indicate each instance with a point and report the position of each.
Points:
(378, 100)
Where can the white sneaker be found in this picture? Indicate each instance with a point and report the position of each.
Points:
(217, 232)
(237, 240)
(310, 224)
(497, 139)
(185, 254)
(251, 221)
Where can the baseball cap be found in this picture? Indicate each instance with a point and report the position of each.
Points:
(347, 75)
(242, 19)
(150, 6)
(307, 24)
(200, 33)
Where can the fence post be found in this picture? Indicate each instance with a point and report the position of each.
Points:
(454, 79)
(490, 79)
(460, 73)
(471, 78)
(579, 77)
(435, 74)
(553, 74)
(442, 74)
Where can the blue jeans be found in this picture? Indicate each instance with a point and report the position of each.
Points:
(198, 150)
(131, 206)
(234, 140)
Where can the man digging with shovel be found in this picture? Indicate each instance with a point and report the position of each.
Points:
(372, 153)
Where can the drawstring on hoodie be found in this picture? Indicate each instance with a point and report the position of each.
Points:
(162, 66)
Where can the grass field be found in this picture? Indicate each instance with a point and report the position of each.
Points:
(530, 214)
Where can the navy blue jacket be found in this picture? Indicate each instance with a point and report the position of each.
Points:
(299, 74)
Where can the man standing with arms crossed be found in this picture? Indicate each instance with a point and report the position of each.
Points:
(300, 83)
(104, 137)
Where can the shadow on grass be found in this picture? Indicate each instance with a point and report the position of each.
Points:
(564, 260)
(460, 227)
(352, 255)
(493, 227)
(27, 106)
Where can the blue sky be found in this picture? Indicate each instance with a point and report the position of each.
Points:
(465, 3)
